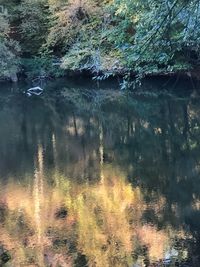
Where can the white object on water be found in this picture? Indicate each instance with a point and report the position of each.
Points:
(28, 94)
(34, 91)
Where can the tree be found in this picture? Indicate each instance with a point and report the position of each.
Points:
(9, 51)
(165, 35)
(33, 15)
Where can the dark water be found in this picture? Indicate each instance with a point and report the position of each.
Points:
(99, 177)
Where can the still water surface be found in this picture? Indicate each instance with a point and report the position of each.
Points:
(99, 178)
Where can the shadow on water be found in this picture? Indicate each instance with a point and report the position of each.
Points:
(99, 178)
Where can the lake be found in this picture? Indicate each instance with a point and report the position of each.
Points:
(98, 177)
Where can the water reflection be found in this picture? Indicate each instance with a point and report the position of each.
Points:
(116, 185)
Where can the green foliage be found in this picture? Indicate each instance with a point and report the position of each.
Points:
(104, 37)
(76, 32)
(166, 34)
(9, 51)
(9, 62)
(41, 67)
(33, 15)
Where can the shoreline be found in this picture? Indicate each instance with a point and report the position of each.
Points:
(106, 75)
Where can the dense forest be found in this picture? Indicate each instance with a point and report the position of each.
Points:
(49, 38)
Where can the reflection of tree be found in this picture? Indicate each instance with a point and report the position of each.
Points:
(164, 157)
(38, 199)
(155, 144)
(101, 212)
(103, 222)
(101, 153)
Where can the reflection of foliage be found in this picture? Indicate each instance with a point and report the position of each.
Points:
(104, 218)
(157, 152)
(101, 212)
(92, 99)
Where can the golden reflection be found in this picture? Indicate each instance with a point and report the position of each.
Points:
(157, 241)
(38, 192)
(105, 235)
(50, 223)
